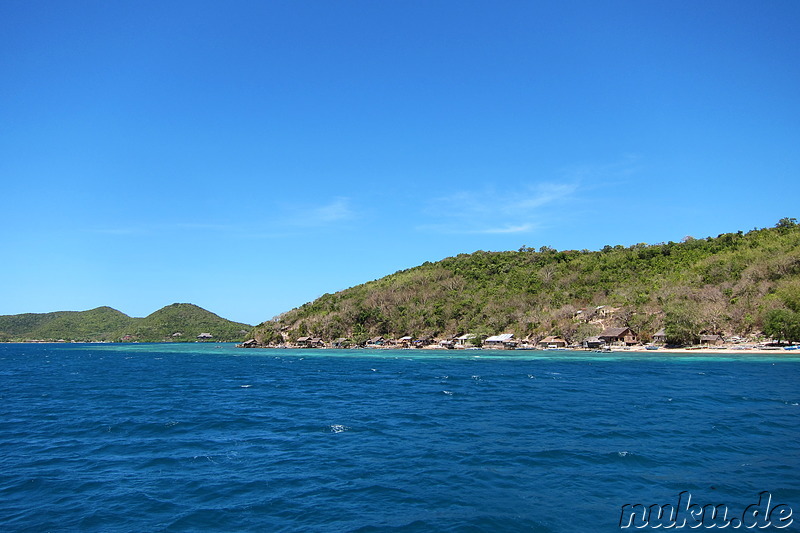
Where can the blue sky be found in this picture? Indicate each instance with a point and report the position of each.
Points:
(250, 156)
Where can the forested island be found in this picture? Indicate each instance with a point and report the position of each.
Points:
(742, 284)
(179, 322)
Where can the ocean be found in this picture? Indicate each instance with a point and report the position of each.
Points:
(208, 437)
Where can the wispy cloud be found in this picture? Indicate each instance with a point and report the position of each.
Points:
(494, 211)
(526, 207)
(336, 210)
(310, 216)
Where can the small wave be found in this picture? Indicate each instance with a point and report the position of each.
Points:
(338, 428)
(448, 392)
(245, 386)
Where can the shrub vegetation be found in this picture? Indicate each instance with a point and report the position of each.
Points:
(735, 283)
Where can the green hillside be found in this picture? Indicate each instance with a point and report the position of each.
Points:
(725, 285)
(190, 321)
(176, 322)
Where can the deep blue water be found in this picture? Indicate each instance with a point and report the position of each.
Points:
(205, 437)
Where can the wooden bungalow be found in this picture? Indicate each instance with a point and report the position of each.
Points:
(526, 344)
(249, 343)
(404, 342)
(376, 341)
(593, 342)
(310, 342)
(618, 336)
(711, 340)
(341, 342)
(660, 337)
(552, 342)
(422, 341)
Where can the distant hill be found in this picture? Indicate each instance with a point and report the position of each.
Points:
(718, 285)
(190, 321)
(176, 322)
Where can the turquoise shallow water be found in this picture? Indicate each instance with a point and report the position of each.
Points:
(205, 437)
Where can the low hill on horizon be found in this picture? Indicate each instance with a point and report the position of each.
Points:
(727, 284)
(175, 322)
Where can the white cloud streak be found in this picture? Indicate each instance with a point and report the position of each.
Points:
(497, 212)
(527, 207)
(337, 210)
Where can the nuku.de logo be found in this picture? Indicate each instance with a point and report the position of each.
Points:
(693, 515)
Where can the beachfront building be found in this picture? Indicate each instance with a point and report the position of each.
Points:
(593, 342)
(404, 342)
(552, 342)
(376, 341)
(623, 336)
(660, 337)
(711, 340)
(203, 336)
(526, 344)
(465, 339)
(423, 341)
(501, 342)
(310, 342)
(341, 342)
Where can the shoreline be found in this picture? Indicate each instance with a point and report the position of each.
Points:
(692, 350)
(729, 350)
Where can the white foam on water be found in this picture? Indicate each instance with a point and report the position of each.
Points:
(338, 428)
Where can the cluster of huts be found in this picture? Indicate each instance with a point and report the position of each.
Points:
(599, 316)
(616, 336)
